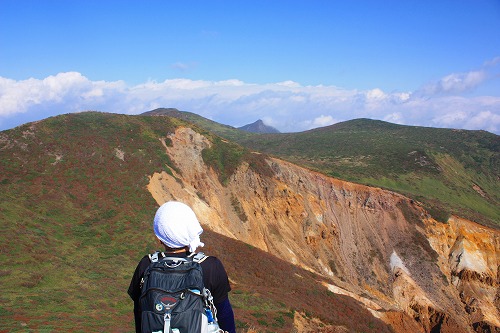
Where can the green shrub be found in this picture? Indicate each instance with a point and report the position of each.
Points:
(224, 158)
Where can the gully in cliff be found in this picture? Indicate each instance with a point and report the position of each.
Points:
(178, 290)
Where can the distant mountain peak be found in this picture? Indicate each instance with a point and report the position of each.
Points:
(258, 127)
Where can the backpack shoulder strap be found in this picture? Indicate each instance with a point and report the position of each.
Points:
(154, 256)
(200, 257)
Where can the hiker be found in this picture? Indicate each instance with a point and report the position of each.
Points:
(178, 230)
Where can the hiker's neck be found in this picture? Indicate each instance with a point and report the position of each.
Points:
(175, 250)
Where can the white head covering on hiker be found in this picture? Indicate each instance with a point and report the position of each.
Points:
(176, 226)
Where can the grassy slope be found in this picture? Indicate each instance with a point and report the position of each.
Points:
(438, 167)
(72, 227)
(75, 218)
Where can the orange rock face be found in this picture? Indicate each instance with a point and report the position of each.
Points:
(409, 270)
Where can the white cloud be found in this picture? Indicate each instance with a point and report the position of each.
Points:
(19, 96)
(395, 117)
(375, 94)
(486, 120)
(448, 119)
(287, 105)
(289, 84)
(462, 82)
(320, 121)
(457, 83)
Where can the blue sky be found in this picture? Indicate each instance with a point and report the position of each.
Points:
(295, 64)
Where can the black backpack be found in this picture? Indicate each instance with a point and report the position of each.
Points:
(173, 297)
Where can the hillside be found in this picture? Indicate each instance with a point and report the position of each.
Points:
(76, 217)
(450, 171)
(207, 124)
(304, 251)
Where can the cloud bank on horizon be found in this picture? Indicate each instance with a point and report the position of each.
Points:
(287, 106)
(296, 65)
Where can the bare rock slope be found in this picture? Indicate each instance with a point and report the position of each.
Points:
(376, 246)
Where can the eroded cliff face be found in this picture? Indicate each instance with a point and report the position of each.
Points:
(376, 246)
(468, 257)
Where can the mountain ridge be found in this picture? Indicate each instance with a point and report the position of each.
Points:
(451, 171)
(84, 188)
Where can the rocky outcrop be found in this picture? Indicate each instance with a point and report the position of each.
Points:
(373, 245)
(469, 257)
